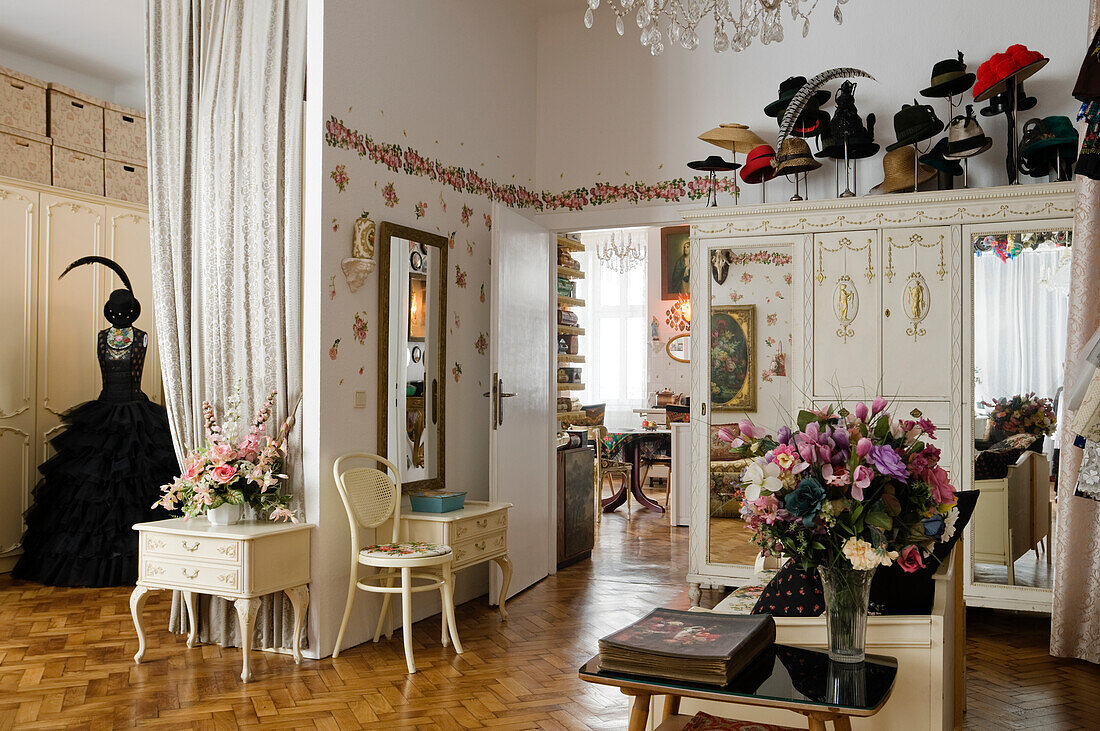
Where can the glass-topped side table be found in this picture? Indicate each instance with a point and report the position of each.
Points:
(792, 678)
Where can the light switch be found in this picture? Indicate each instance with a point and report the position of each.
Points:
(360, 399)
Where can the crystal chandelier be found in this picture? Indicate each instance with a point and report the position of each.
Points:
(621, 250)
(736, 22)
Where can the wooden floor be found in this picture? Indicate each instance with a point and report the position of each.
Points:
(66, 660)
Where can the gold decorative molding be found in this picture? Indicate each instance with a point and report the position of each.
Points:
(153, 569)
(916, 301)
(845, 306)
(229, 550)
(155, 544)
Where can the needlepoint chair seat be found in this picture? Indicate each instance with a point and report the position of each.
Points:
(405, 550)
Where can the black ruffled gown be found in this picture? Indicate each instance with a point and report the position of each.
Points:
(105, 476)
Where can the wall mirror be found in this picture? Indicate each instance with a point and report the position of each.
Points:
(1021, 298)
(677, 348)
(412, 340)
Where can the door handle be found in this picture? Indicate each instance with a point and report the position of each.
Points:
(435, 401)
(507, 395)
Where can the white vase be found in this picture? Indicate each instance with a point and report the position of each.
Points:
(224, 514)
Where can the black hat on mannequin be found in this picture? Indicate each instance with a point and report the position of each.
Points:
(121, 308)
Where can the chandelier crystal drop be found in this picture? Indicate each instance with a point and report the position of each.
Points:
(620, 251)
(736, 22)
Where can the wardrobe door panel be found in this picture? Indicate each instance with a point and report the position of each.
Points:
(128, 244)
(19, 232)
(70, 311)
(846, 311)
(917, 324)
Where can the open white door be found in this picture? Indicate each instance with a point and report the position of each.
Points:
(520, 467)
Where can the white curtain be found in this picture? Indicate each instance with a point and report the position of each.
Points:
(1020, 312)
(225, 82)
(614, 344)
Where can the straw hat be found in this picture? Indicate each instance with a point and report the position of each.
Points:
(794, 157)
(732, 137)
(897, 169)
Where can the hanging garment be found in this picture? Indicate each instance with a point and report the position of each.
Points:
(104, 477)
(1088, 160)
(1088, 478)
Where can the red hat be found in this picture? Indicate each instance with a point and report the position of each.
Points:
(1016, 61)
(758, 165)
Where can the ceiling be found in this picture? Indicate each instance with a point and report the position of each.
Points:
(104, 39)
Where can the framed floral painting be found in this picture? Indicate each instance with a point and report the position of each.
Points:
(733, 358)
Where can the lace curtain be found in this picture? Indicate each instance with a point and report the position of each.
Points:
(225, 82)
(1075, 620)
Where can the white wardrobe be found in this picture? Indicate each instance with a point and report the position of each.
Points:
(48, 349)
(879, 303)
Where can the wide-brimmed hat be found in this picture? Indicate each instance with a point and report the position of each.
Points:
(1042, 140)
(1017, 60)
(758, 165)
(935, 158)
(949, 77)
(897, 171)
(915, 123)
(787, 90)
(713, 164)
(965, 137)
(1001, 103)
(794, 156)
(733, 137)
(811, 123)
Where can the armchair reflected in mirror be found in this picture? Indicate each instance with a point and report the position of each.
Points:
(412, 309)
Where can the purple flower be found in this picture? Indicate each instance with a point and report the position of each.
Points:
(878, 405)
(888, 462)
(861, 411)
(783, 436)
(863, 447)
(840, 437)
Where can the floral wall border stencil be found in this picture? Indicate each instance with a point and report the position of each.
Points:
(410, 161)
(420, 208)
(389, 195)
(359, 328)
(482, 343)
(333, 351)
(339, 176)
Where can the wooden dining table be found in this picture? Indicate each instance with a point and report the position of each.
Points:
(630, 443)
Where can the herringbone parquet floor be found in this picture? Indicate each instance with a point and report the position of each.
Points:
(66, 660)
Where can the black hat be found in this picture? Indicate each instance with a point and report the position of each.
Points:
(1002, 102)
(787, 90)
(935, 158)
(860, 145)
(713, 164)
(949, 77)
(811, 123)
(915, 123)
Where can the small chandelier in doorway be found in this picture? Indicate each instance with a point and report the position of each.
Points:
(621, 251)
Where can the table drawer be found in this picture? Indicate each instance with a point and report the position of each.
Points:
(171, 545)
(471, 528)
(186, 575)
(477, 549)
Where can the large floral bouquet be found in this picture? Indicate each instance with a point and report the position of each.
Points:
(1026, 414)
(228, 469)
(857, 489)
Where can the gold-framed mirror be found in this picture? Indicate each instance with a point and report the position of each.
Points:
(677, 348)
(412, 344)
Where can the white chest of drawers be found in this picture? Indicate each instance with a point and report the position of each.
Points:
(239, 562)
(477, 533)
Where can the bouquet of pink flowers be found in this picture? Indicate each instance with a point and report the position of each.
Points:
(857, 489)
(244, 471)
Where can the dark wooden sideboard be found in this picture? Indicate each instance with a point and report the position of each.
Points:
(576, 505)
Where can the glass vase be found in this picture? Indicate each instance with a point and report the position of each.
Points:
(847, 591)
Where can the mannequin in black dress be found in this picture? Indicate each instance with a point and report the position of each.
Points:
(107, 467)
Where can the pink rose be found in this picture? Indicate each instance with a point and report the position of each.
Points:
(194, 469)
(942, 491)
(224, 474)
(862, 481)
(250, 447)
(910, 559)
(222, 453)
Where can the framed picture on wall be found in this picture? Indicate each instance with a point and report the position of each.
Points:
(733, 358)
(675, 261)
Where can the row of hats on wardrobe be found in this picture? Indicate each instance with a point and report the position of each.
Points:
(1048, 146)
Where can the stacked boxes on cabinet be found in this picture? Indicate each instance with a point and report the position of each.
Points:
(92, 146)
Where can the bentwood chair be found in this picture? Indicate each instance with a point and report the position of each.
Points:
(371, 497)
(606, 469)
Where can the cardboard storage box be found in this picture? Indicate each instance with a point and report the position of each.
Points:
(76, 120)
(77, 170)
(24, 155)
(125, 181)
(124, 133)
(22, 102)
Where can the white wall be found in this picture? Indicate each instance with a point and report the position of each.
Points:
(610, 112)
(455, 82)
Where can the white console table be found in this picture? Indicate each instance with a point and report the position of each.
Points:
(477, 533)
(239, 563)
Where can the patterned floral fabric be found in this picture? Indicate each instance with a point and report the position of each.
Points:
(792, 593)
(706, 722)
(412, 549)
(744, 598)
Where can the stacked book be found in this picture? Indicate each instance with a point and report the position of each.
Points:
(694, 647)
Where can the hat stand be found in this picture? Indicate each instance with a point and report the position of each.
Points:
(966, 171)
(764, 191)
(796, 196)
(848, 192)
(916, 163)
(736, 190)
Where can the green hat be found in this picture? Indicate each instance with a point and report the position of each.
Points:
(935, 158)
(949, 77)
(915, 123)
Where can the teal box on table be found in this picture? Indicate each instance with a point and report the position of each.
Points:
(437, 502)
